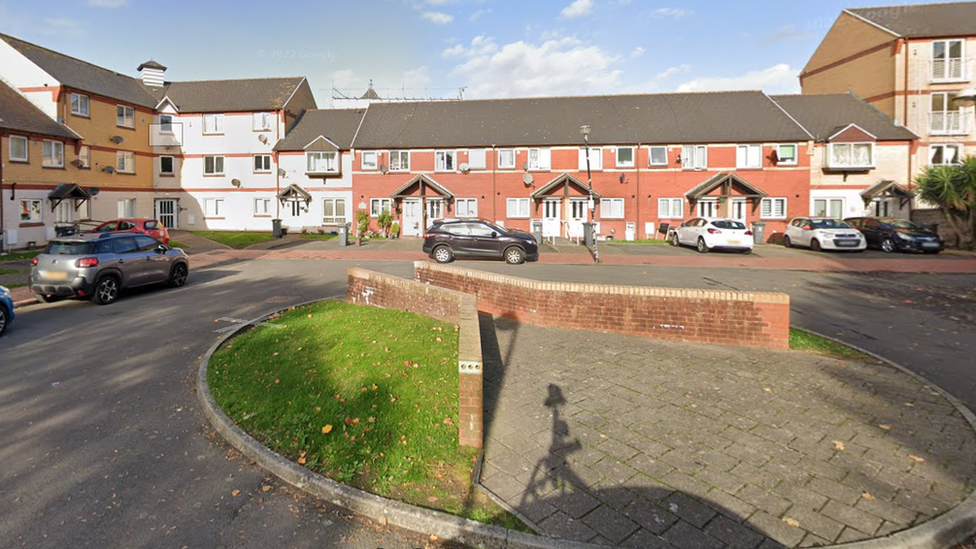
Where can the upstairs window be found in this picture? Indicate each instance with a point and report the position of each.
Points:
(166, 165)
(850, 155)
(596, 159)
(322, 162)
(947, 60)
(506, 159)
(125, 161)
(748, 156)
(399, 161)
(945, 155)
(213, 165)
(262, 163)
(694, 157)
(18, 149)
(945, 116)
(52, 154)
(477, 159)
(84, 156)
(125, 116)
(261, 121)
(657, 156)
(79, 104)
(444, 161)
(625, 157)
(786, 154)
(213, 123)
(539, 159)
(369, 160)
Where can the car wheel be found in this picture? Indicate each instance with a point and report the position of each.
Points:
(514, 256)
(106, 290)
(443, 254)
(815, 245)
(702, 247)
(787, 242)
(675, 241)
(177, 277)
(3, 319)
(888, 245)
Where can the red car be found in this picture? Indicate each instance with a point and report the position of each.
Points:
(151, 227)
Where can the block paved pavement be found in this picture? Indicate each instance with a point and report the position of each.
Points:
(635, 442)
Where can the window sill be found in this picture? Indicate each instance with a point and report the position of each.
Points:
(79, 115)
(167, 175)
(263, 215)
(16, 161)
(53, 167)
(214, 218)
(213, 175)
(29, 224)
(133, 128)
(262, 173)
(212, 134)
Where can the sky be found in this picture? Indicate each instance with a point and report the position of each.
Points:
(472, 49)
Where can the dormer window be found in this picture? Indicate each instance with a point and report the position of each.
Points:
(321, 162)
(850, 155)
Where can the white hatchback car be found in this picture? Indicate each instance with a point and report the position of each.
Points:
(707, 234)
(824, 233)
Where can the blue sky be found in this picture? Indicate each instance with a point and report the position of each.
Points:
(434, 48)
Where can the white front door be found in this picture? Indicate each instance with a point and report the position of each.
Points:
(412, 217)
(166, 213)
(577, 215)
(435, 210)
(550, 218)
(739, 209)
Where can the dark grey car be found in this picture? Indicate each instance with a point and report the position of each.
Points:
(99, 266)
(477, 238)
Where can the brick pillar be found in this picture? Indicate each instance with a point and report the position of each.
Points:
(471, 404)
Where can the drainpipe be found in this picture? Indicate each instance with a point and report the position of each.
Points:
(3, 224)
(911, 146)
(494, 199)
(638, 194)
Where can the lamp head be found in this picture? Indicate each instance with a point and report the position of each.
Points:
(585, 130)
(966, 97)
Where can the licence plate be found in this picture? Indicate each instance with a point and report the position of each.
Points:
(930, 244)
(846, 243)
(54, 275)
(735, 242)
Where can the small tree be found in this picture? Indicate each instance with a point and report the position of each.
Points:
(953, 190)
(362, 222)
(385, 220)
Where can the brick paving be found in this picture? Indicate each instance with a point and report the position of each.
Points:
(636, 442)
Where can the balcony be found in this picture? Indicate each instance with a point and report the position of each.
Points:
(957, 69)
(168, 134)
(949, 123)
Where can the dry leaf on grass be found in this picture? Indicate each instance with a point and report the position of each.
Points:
(839, 445)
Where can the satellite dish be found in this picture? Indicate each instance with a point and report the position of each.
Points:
(235, 182)
(622, 177)
(108, 169)
(263, 138)
(527, 179)
(383, 168)
(464, 167)
(282, 172)
(92, 191)
(525, 166)
(117, 139)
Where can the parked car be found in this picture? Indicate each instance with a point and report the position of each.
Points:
(6, 309)
(889, 234)
(447, 240)
(99, 266)
(151, 227)
(823, 233)
(708, 234)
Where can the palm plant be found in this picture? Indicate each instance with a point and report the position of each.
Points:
(953, 190)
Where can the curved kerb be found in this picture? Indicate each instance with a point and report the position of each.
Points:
(944, 531)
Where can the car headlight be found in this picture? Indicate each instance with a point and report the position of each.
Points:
(904, 236)
(4, 291)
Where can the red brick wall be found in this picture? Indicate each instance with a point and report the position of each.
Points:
(390, 292)
(704, 316)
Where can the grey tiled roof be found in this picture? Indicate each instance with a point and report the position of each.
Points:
(720, 117)
(84, 76)
(924, 20)
(246, 95)
(337, 125)
(18, 114)
(823, 114)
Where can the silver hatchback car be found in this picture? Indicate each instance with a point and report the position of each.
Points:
(99, 266)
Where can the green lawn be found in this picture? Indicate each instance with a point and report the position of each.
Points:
(805, 341)
(177, 244)
(363, 395)
(317, 236)
(235, 240)
(19, 256)
(9, 271)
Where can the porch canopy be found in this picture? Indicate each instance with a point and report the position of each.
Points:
(564, 183)
(726, 182)
(68, 191)
(294, 193)
(422, 183)
(886, 189)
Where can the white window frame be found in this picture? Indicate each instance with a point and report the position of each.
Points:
(954, 120)
(125, 161)
(125, 116)
(377, 205)
(466, 207)
(10, 153)
(625, 163)
(34, 210)
(370, 160)
(944, 147)
(166, 123)
(596, 159)
(262, 207)
(402, 163)
(320, 158)
(84, 157)
(826, 211)
(831, 163)
(542, 160)
(126, 207)
(335, 218)
(172, 170)
(213, 207)
(477, 159)
(698, 157)
(213, 124)
(666, 208)
(445, 161)
(779, 157)
(52, 154)
(214, 168)
(80, 105)
(261, 121)
(748, 157)
(772, 202)
(949, 63)
(609, 207)
(506, 159)
(266, 163)
(514, 207)
(650, 155)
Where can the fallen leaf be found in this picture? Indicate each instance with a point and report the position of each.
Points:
(885, 426)
(432, 499)
(439, 340)
(839, 445)
(301, 460)
(448, 421)
(868, 496)
(767, 389)
(916, 459)
(433, 537)
(326, 429)
(235, 493)
(265, 488)
(792, 522)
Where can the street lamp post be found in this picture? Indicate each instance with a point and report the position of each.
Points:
(966, 97)
(585, 130)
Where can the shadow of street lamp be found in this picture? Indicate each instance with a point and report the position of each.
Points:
(966, 97)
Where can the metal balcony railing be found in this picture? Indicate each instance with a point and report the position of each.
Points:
(956, 69)
(166, 134)
(949, 123)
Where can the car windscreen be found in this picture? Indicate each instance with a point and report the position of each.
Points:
(830, 224)
(68, 248)
(901, 224)
(728, 224)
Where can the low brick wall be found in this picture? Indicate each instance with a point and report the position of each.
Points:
(751, 319)
(390, 292)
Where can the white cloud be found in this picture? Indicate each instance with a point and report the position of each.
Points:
(479, 14)
(578, 8)
(480, 46)
(111, 4)
(345, 78)
(671, 71)
(655, 83)
(779, 78)
(437, 17)
(520, 69)
(785, 34)
(638, 51)
(416, 79)
(64, 26)
(670, 12)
